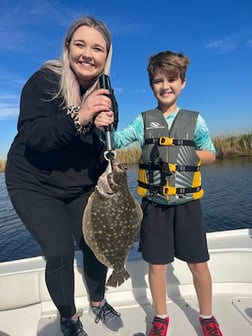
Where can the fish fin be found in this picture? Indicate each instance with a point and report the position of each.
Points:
(116, 279)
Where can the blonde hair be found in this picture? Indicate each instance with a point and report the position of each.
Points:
(69, 86)
(174, 64)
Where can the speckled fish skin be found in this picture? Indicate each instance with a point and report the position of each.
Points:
(110, 222)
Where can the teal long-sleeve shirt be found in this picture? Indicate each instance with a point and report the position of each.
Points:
(135, 132)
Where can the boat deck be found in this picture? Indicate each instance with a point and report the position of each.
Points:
(234, 312)
(230, 264)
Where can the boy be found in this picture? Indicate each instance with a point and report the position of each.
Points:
(174, 144)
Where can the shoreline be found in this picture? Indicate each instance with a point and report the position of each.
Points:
(226, 147)
(132, 162)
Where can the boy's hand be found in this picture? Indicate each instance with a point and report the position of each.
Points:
(206, 156)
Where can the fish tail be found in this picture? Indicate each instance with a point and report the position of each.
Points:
(117, 278)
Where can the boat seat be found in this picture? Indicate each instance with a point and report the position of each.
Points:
(27, 288)
(19, 290)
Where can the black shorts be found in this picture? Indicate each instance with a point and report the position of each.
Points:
(173, 231)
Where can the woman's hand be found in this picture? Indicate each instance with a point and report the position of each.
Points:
(95, 103)
(104, 118)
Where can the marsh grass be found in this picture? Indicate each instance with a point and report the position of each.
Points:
(233, 146)
(226, 146)
(129, 155)
(2, 165)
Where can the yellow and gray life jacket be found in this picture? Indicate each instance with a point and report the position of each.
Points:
(169, 168)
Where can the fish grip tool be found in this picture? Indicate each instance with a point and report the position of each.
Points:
(104, 83)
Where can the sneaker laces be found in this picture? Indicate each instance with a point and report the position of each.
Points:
(72, 327)
(212, 330)
(105, 312)
(159, 330)
(211, 326)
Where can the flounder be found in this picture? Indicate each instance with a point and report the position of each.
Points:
(111, 220)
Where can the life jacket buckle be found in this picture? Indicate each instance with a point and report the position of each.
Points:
(168, 168)
(166, 141)
(173, 167)
(168, 191)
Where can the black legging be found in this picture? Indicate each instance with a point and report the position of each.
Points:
(53, 223)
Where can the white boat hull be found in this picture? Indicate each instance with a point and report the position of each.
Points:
(26, 308)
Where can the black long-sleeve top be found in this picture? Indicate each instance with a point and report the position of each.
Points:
(47, 154)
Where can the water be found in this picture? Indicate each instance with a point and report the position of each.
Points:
(226, 205)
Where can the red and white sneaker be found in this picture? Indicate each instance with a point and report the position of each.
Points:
(159, 326)
(210, 326)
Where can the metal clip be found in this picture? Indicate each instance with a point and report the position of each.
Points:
(109, 155)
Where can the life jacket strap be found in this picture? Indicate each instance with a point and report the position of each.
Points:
(168, 190)
(168, 167)
(166, 141)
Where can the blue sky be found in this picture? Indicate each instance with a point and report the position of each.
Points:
(216, 35)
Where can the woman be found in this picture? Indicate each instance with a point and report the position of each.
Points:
(54, 163)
